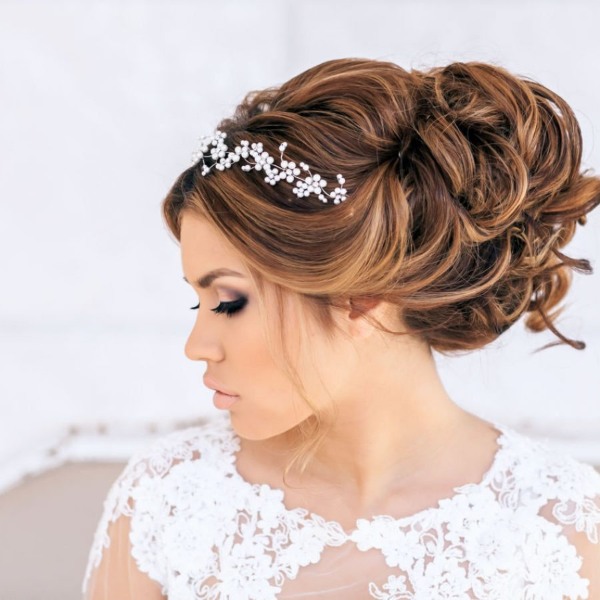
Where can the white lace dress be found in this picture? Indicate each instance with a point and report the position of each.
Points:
(197, 530)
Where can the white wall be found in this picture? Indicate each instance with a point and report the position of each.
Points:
(101, 106)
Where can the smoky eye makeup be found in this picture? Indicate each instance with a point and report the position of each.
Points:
(228, 308)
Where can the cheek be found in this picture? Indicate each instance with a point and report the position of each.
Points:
(270, 402)
(249, 360)
(260, 372)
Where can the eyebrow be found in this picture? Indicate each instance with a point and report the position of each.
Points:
(207, 279)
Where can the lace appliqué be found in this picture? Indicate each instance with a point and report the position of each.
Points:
(204, 533)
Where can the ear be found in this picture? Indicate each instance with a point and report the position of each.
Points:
(357, 308)
(361, 305)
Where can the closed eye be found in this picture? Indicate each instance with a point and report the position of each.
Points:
(229, 308)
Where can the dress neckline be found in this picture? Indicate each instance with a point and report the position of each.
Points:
(498, 459)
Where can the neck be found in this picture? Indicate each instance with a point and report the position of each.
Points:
(388, 427)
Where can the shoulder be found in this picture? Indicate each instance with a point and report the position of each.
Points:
(563, 494)
(141, 497)
(211, 434)
(211, 440)
(547, 473)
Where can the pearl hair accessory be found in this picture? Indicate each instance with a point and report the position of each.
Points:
(285, 170)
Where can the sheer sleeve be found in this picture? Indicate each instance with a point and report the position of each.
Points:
(575, 509)
(118, 575)
(588, 548)
(126, 558)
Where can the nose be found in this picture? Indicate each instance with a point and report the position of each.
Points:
(202, 344)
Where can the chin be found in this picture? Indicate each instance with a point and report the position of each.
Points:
(262, 428)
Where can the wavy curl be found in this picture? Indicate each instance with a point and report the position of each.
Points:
(464, 184)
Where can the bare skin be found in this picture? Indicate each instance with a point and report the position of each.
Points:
(400, 443)
(418, 483)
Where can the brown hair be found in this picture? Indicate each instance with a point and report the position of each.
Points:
(463, 185)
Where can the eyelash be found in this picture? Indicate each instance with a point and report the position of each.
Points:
(229, 308)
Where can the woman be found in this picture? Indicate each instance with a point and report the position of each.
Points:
(347, 224)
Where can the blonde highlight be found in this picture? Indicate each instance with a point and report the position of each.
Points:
(464, 185)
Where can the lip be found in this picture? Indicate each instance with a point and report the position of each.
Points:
(223, 401)
(213, 385)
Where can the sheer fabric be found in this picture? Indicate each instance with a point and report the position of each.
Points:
(181, 523)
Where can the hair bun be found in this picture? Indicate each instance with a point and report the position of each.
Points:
(464, 184)
(505, 153)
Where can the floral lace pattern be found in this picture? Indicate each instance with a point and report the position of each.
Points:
(204, 533)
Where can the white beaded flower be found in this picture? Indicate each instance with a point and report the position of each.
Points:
(216, 148)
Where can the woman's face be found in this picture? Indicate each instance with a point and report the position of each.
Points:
(234, 346)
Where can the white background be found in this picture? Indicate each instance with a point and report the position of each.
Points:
(101, 106)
